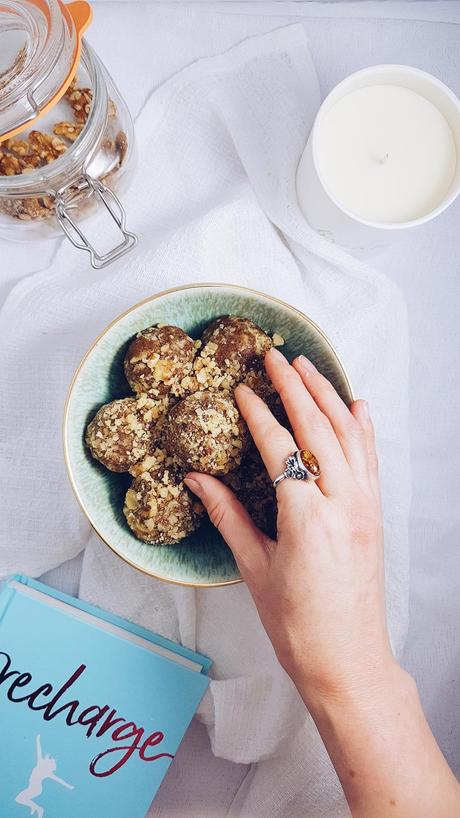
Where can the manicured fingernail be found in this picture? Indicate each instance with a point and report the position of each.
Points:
(306, 365)
(193, 485)
(277, 355)
(242, 387)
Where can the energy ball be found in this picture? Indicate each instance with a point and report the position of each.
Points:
(263, 387)
(257, 494)
(161, 510)
(123, 432)
(254, 489)
(160, 361)
(206, 433)
(231, 347)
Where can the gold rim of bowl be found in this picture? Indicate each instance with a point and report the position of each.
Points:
(159, 295)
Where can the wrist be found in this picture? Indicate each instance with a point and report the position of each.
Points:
(357, 692)
(366, 697)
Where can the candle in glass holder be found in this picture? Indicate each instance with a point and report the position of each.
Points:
(383, 155)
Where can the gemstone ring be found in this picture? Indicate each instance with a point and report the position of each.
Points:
(300, 465)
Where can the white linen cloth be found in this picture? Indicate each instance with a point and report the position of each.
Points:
(213, 199)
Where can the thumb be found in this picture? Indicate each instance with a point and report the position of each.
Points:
(248, 544)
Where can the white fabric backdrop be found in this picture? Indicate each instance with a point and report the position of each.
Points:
(427, 268)
(219, 143)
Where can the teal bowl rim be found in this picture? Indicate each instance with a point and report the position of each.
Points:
(205, 285)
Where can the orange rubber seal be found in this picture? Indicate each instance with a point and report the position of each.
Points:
(78, 14)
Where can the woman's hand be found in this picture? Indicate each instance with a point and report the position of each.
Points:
(319, 588)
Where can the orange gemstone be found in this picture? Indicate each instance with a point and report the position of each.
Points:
(309, 460)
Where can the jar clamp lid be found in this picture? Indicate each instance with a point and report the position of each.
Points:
(40, 50)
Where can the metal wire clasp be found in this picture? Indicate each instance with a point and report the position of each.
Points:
(68, 199)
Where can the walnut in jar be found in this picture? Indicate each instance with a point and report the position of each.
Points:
(231, 347)
(161, 510)
(206, 433)
(124, 431)
(159, 361)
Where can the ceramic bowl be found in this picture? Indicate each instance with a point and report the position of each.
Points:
(202, 559)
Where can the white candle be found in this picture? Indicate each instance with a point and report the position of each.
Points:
(384, 154)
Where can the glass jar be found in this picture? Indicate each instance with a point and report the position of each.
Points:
(66, 136)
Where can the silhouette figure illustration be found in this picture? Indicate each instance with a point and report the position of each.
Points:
(44, 768)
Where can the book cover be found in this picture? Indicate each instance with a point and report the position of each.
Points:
(92, 707)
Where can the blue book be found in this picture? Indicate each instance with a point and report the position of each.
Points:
(92, 707)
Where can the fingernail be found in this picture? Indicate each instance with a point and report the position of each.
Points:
(242, 387)
(193, 485)
(277, 355)
(365, 409)
(306, 365)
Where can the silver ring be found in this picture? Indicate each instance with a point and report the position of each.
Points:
(300, 465)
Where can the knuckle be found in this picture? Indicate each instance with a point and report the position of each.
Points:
(217, 512)
(291, 380)
(285, 391)
(318, 424)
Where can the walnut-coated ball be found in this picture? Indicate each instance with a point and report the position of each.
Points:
(161, 510)
(124, 431)
(206, 433)
(159, 361)
(231, 347)
(254, 489)
(259, 382)
(257, 494)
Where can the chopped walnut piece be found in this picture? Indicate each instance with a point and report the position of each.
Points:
(17, 146)
(69, 130)
(47, 147)
(80, 100)
(35, 208)
(23, 150)
(30, 162)
(9, 164)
